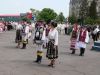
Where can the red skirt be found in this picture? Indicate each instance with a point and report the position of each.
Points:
(73, 44)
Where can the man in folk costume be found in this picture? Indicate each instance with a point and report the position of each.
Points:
(25, 35)
(18, 38)
(39, 39)
(74, 38)
(83, 39)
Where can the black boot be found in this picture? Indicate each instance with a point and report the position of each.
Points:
(73, 51)
(82, 50)
(24, 46)
(37, 60)
(40, 59)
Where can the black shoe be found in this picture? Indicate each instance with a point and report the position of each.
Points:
(50, 65)
(36, 61)
(23, 48)
(73, 53)
(81, 55)
(39, 62)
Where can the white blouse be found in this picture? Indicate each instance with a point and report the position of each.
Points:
(53, 34)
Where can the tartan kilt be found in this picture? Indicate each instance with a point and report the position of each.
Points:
(73, 44)
(52, 53)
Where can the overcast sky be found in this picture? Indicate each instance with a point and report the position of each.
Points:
(22, 6)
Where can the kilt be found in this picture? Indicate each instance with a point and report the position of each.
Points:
(52, 53)
(73, 44)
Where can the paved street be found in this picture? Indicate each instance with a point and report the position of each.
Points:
(15, 61)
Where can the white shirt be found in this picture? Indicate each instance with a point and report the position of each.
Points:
(27, 29)
(96, 30)
(53, 34)
(19, 27)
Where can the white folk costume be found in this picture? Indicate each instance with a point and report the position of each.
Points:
(39, 39)
(25, 36)
(83, 39)
(47, 29)
(52, 49)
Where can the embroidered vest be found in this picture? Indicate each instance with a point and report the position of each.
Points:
(82, 36)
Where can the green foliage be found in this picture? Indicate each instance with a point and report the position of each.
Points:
(92, 21)
(47, 14)
(89, 20)
(92, 10)
(72, 19)
(24, 18)
(97, 21)
(60, 18)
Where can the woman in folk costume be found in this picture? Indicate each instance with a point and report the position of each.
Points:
(83, 39)
(74, 38)
(39, 38)
(52, 49)
(25, 35)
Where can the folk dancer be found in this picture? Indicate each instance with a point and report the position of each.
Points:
(39, 39)
(74, 38)
(25, 35)
(52, 49)
(18, 38)
(83, 39)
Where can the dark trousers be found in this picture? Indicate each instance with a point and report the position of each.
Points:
(39, 58)
(82, 51)
(65, 30)
(98, 34)
(95, 37)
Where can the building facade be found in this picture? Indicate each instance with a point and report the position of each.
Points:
(74, 7)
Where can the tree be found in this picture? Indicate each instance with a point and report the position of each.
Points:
(72, 19)
(92, 10)
(89, 21)
(60, 18)
(97, 21)
(47, 14)
(84, 10)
